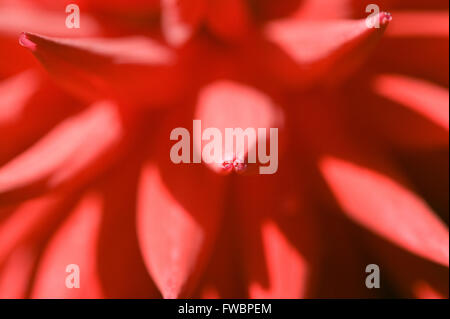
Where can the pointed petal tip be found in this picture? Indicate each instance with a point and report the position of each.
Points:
(25, 41)
(385, 18)
(379, 21)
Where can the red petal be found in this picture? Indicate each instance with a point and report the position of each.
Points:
(73, 243)
(421, 272)
(23, 233)
(178, 215)
(280, 244)
(387, 209)
(326, 50)
(15, 92)
(23, 100)
(120, 263)
(15, 274)
(28, 223)
(227, 104)
(99, 68)
(425, 98)
(288, 271)
(180, 18)
(423, 38)
(408, 112)
(223, 277)
(425, 291)
(68, 150)
(176, 202)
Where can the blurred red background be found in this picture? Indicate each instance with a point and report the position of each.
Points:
(86, 177)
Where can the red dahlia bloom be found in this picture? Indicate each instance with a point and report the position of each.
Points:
(86, 177)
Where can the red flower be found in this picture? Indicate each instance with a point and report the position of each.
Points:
(86, 177)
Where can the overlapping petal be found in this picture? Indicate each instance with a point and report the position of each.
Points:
(172, 210)
(176, 202)
(418, 114)
(24, 98)
(320, 50)
(119, 230)
(110, 68)
(387, 208)
(80, 145)
(67, 248)
(24, 231)
(279, 255)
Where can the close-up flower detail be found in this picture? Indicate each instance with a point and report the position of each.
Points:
(360, 102)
